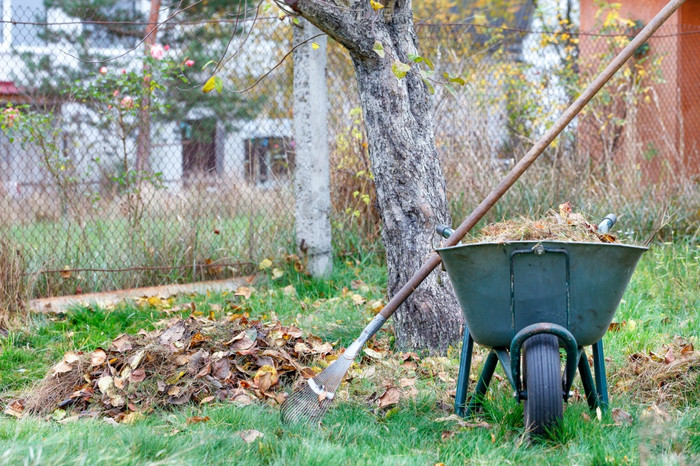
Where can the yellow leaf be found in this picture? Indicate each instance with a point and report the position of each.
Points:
(315, 46)
(265, 264)
(132, 417)
(157, 301)
(209, 85)
(376, 5)
(213, 83)
(358, 299)
(372, 353)
(277, 273)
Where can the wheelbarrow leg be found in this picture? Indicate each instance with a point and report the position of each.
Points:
(465, 364)
(600, 380)
(483, 383)
(587, 380)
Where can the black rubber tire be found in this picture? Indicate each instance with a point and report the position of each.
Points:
(544, 406)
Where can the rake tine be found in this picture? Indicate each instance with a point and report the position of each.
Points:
(310, 403)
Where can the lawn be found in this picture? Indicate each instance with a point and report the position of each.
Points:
(110, 244)
(658, 313)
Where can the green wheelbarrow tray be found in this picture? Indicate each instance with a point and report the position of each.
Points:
(502, 288)
(531, 298)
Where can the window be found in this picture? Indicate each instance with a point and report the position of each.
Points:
(23, 13)
(268, 159)
(198, 148)
(25, 23)
(104, 36)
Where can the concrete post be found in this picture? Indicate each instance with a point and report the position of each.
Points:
(312, 174)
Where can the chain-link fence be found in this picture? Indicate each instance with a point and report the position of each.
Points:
(116, 170)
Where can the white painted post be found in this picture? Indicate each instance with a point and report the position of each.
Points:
(312, 173)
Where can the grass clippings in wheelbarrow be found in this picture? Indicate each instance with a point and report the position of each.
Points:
(193, 360)
(565, 225)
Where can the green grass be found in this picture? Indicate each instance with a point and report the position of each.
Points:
(111, 244)
(662, 299)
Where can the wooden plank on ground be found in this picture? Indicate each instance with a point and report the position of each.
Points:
(61, 304)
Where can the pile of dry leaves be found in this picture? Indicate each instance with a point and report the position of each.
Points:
(564, 225)
(668, 377)
(196, 360)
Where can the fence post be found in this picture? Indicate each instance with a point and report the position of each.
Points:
(312, 174)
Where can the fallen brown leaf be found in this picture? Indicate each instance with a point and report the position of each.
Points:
(172, 334)
(406, 382)
(61, 368)
(390, 397)
(621, 417)
(16, 409)
(615, 326)
(197, 419)
(669, 357)
(244, 291)
(122, 343)
(137, 376)
(242, 399)
(250, 436)
(98, 357)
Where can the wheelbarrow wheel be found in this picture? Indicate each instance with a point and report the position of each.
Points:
(544, 405)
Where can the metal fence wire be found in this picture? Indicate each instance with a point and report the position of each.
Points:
(116, 170)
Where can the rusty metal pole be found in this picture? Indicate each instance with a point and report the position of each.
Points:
(532, 154)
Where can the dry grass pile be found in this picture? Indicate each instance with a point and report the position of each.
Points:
(671, 377)
(196, 360)
(564, 225)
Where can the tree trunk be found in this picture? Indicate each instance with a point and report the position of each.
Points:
(410, 186)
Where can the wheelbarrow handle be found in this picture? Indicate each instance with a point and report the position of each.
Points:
(607, 223)
(445, 231)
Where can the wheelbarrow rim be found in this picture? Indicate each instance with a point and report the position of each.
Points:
(546, 241)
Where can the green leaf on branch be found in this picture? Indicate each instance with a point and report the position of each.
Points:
(378, 49)
(400, 69)
(424, 77)
(454, 79)
(418, 59)
(451, 90)
(210, 62)
(213, 83)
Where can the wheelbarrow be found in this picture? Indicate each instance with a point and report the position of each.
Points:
(531, 298)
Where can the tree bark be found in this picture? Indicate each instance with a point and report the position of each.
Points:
(409, 181)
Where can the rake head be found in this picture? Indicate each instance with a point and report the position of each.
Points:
(310, 403)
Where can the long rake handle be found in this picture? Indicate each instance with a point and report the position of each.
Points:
(530, 157)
